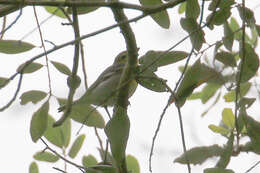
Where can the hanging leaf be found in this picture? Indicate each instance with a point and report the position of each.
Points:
(161, 18)
(14, 46)
(227, 153)
(226, 58)
(55, 11)
(219, 129)
(45, 156)
(194, 96)
(218, 170)
(219, 17)
(198, 155)
(231, 96)
(228, 37)
(89, 160)
(214, 4)
(208, 91)
(76, 146)
(85, 114)
(182, 7)
(59, 136)
(196, 75)
(228, 118)
(251, 62)
(85, 10)
(33, 168)
(39, 122)
(33, 96)
(3, 82)
(30, 68)
(132, 164)
(117, 131)
(151, 81)
(196, 33)
(247, 102)
(249, 17)
(192, 9)
(154, 59)
(61, 68)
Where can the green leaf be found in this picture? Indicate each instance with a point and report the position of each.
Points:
(194, 96)
(117, 131)
(39, 122)
(257, 29)
(33, 168)
(231, 96)
(220, 4)
(151, 81)
(14, 46)
(226, 58)
(219, 17)
(228, 118)
(73, 83)
(102, 169)
(45, 156)
(208, 91)
(61, 68)
(33, 96)
(155, 59)
(227, 153)
(55, 11)
(59, 136)
(89, 160)
(249, 15)
(235, 27)
(228, 37)
(247, 102)
(85, 10)
(32, 67)
(85, 114)
(3, 82)
(182, 7)
(251, 62)
(198, 155)
(196, 75)
(132, 164)
(161, 18)
(196, 33)
(219, 129)
(217, 170)
(76, 146)
(192, 9)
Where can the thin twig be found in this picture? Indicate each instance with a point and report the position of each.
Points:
(44, 49)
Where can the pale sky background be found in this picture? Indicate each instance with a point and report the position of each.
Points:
(16, 147)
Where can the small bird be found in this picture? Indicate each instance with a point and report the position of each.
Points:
(103, 91)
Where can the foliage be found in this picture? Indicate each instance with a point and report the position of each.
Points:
(229, 75)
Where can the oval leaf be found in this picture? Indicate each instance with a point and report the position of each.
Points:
(208, 91)
(251, 62)
(226, 58)
(55, 11)
(33, 96)
(3, 82)
(14, 46)
(198, 155)
(61, 68)
(219, 129)
(192, 9)
(117, 131)
(132, 164)
(30, 68)
(76, 146)
(33, 168)
(152, 82)
(182, 8)
(59, 136)
(228, 37)
(228, 118)
(45, 156)
(218, 170)
(39, 122)
(196, 33)
(161, 18)
(231, 96)
(89, 160)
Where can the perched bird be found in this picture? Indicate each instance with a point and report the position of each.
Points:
(103, 91)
